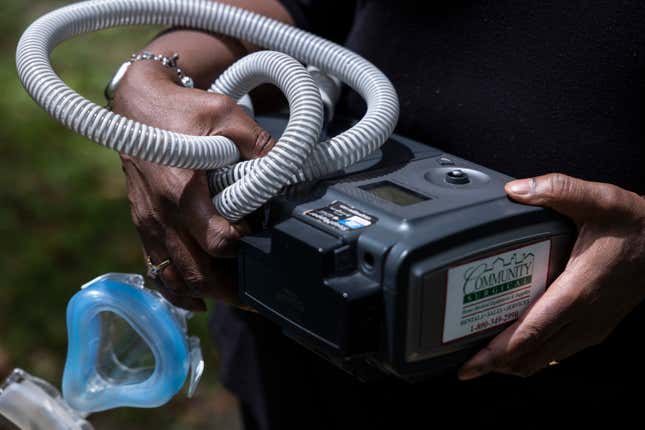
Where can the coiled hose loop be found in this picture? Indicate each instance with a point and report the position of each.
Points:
(246, 186)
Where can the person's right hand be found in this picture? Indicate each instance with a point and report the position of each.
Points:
(171, 207)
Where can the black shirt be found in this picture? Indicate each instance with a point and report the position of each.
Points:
(526, 88)
(523, 87)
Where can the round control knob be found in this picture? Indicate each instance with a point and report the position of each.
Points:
(457, 177)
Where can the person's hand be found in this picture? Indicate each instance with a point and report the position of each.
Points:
(603, 281)
(171, 208)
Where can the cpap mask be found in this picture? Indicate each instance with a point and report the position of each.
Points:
(127, 346)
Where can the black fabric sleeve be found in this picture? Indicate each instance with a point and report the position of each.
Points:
(331, 19)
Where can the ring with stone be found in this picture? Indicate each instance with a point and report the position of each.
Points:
(154, 270)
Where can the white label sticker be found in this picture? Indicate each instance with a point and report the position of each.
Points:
(495, 290)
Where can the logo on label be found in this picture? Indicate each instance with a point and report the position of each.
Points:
(502, 275)
(494, 290)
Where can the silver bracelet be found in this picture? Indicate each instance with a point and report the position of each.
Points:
(169, 62)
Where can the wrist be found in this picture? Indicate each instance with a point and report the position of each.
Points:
(149, 73)
(145, 83)
(146, 77)
(203, 56)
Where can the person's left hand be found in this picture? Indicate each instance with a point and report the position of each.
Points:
(603, 281)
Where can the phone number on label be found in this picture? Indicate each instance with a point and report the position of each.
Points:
(495, 321)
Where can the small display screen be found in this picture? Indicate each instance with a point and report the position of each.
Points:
(396, 194)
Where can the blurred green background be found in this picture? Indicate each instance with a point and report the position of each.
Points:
(64, 219)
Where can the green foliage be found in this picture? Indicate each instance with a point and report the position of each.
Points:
(64, 215)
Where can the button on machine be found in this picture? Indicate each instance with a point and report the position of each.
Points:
(457, 177)
(445, 161)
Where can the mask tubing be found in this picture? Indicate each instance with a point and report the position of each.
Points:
(244, 186)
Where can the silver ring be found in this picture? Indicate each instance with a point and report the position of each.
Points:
(154, 270)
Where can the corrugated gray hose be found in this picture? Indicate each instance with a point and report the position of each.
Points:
(244, 186)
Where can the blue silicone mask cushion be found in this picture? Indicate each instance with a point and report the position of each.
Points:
(152, 370)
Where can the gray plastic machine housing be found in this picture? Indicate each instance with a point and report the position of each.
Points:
(356, 267)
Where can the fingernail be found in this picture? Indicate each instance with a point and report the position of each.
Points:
(469, 372)
(477, 366)
(520, 187)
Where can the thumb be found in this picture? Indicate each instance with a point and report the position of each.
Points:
(572, 197)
